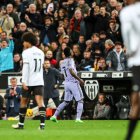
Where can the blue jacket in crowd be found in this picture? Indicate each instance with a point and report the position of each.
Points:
(6, 57)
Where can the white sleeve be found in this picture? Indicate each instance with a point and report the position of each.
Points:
(25, 72)
(126, 32)
(25, 69)
(126, 28)
(25, 57)
(129, 31)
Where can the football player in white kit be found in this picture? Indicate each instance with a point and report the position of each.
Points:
(32, 79)
(130, 26)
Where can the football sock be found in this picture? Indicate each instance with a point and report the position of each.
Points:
(22, 113)
(60, 108)
(79, 109)
(131, 128)
(42, 112)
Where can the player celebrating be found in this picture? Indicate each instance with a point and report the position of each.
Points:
(130, 21)
(32, 78)
(72, 87)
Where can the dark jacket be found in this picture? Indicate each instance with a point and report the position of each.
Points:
(18, 48)
(112, 57)
(101, 23)
(1, 103)
(15, 18)
(36, 17)
(70, 9)
(98, 46)
(114, 35)
(86, 62)
(89, 25)
(16, 99)
(77, 27)
(1, 106)
(17, 66)
(50, 31)
(50, 80)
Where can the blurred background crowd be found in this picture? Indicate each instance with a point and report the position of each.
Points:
(91, 28)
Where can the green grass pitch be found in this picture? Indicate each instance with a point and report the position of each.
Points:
(68, 130)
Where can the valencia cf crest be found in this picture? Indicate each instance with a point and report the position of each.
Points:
(91, 88)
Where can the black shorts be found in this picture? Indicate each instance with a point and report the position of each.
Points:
(136, 78)
(33, 90)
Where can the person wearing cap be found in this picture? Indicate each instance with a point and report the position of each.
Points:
(6, 56)
(116, 59)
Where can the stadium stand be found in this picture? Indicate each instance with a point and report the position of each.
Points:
(84, 25)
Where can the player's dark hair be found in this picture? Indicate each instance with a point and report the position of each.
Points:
(67, 52)
(29, 37)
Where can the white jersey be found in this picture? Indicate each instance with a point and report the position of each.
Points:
(32, 72)
(67, 64)
(130, 27)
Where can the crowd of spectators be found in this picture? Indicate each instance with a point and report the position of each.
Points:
(90, 28)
